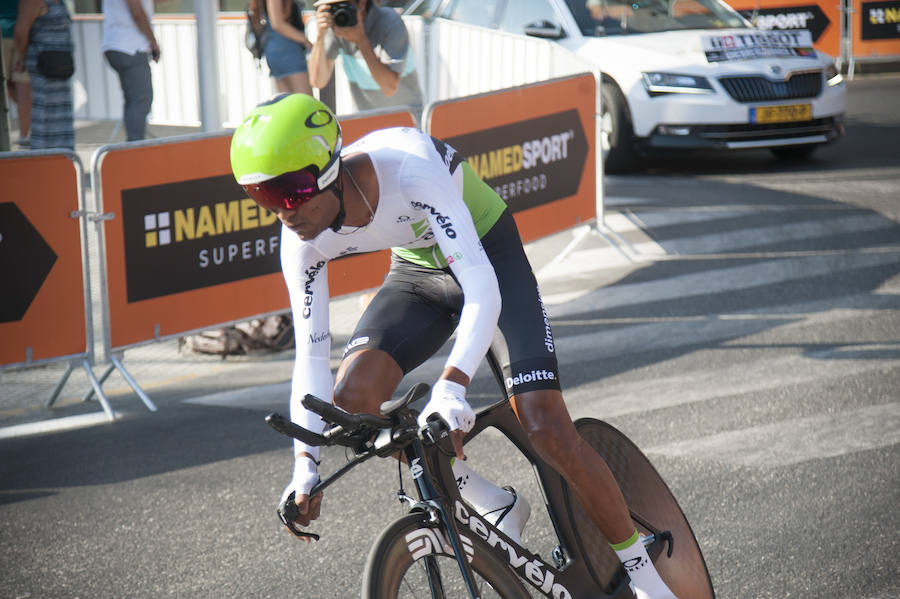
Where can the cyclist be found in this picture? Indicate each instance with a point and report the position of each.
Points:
(457, 265)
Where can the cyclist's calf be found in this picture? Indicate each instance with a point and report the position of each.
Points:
(546, 420)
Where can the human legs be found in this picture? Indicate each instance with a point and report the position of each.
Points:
(546, 420)
(294, 83)
(366, 379)
(403, 325)
(532, 380)
(137, 90)
(18, 87)
(23, 98)
(287, 63)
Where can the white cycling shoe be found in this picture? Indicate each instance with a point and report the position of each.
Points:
(511, 519)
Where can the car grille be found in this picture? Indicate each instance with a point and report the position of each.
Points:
(747, 132)
(760, 89)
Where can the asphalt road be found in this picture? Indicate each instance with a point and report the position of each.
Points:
(745, 333)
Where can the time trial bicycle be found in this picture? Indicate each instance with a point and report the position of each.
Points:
(442, 548)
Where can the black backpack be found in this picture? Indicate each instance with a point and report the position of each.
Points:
(256, 33)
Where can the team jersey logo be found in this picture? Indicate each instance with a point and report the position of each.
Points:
(443, 222)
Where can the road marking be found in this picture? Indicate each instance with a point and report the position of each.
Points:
(736, 378)
(795, 441)
(55, 425)
(251, 396)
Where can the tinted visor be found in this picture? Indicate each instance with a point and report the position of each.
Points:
(287, 191)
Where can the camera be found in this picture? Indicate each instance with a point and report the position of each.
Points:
(344, 14)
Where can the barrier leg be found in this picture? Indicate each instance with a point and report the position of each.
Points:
(59, 386)
(137, 389)
(100, 396)
(584, 233)
(103, 377)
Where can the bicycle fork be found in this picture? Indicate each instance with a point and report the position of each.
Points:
(438, 513)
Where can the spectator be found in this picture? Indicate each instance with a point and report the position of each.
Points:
(18, 84)
(129, 45)
(46, 25)
(286, 45)
(602, 13)
(375, 53)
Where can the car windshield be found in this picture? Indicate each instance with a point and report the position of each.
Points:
(619, 17)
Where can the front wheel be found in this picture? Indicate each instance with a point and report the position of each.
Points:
(413, 560)
(652, 504)
(616, 132)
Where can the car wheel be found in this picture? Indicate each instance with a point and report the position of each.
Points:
(799, 152)
(616, 133)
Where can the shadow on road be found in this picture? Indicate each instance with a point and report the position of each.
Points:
(181, 436)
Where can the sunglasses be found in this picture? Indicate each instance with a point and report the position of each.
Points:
(288, 191)
(291, 190)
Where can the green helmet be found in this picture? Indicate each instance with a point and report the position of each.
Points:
(288, 133)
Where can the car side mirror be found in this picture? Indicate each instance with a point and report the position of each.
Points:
(545, 30)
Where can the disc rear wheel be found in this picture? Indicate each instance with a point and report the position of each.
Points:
(650, 500)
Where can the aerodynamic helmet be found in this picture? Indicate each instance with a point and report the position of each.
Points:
(286, 150)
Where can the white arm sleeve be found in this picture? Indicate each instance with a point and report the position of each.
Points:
(305, 271)
(456, 236)
(478, 318)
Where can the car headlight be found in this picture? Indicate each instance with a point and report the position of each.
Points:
(673, 83)
(833, 75)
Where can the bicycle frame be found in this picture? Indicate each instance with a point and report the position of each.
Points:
(570, 575)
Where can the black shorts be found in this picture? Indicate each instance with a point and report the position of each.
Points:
(417, 309)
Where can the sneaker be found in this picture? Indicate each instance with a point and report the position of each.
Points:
(512, 518)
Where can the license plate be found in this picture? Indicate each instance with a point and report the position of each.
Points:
(781, 114)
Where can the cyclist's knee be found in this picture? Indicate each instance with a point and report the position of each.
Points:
(358, 395)
(365, 380)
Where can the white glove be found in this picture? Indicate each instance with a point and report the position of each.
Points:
(448, 400)
(306, 474)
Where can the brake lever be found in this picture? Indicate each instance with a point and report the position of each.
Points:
(288, 512)
(436, 432)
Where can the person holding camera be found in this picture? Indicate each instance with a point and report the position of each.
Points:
(374, 48)
(129, 45)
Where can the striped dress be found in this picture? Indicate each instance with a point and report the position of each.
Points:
(52, 117)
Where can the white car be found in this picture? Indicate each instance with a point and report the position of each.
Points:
(681, 74)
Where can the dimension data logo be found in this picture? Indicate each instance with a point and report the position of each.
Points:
(531, 162)
(193, 234)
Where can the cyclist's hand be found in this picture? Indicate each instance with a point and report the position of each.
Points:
(306, 475)
(448, 400)
(309, 508)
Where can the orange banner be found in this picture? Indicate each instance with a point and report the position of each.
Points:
(187, 250)
(534, 145)
(42, 306)
(821, 17)
(876, 29)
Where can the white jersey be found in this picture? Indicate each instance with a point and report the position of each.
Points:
(420, 205)
(119, 30)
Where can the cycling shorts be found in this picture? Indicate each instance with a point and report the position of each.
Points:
(416, 311)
